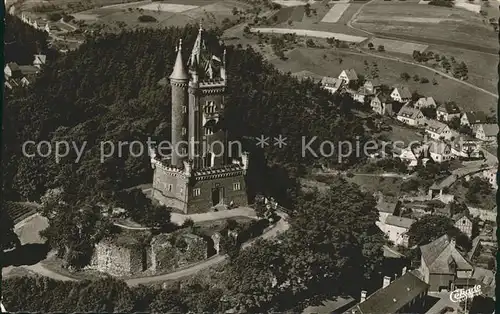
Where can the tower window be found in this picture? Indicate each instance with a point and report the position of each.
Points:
(169, 187)
(236, 186)
(210, 106)
(184, 131)
(184, 109)
(196, 192)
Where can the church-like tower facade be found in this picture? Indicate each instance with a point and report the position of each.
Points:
(201, 172)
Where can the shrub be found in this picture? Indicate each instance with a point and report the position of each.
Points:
(424, 80)
(54, 17)
(146, 19)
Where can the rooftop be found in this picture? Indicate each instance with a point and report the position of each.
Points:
(409, 112)
(386, 207)
(393, 297)
(435, 126)
(475, 117)
(439, 255)
(403, 91)
(399, 221)
(490, 129)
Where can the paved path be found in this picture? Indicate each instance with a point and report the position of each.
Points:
(223, 214)
(353, 18)
(386, 175)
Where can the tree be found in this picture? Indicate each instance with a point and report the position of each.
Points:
(479, 188)
(430, 227)
(310, 43)
(434, 81)
(330, 41)
(405, 76)
(429, 112)
(416, 78)
(381, 48)
(424, 80)
(371, 46)
(8, 239)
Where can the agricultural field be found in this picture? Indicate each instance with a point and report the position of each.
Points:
(166, 13)
(331, 62)
(396, 46)
(309, 33)
(324, 16)
(453, 27)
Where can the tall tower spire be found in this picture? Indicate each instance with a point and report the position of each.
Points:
(179, 83)
(179, 72)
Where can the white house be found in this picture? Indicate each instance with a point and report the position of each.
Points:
(348, 76)
(464, 224)
(401, 94)
(396, 229)
(438, 130)
(491, 176)
(447, 112)
(380, 105)
(439, 151)
(472, 118)
(487, 132)
(411, 116)
(332, 84)
(39, 60)
(425, 102)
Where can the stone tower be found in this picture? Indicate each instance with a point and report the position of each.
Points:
(202, 171)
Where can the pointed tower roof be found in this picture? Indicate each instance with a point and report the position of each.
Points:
(179, 72)
(197, 47)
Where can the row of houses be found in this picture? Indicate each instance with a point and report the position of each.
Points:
(410, 113)
(23, 75)
(38, 23)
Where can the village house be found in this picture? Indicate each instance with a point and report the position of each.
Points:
(386, 209)
(439, 152)
(380, 105)
(39, 61)
(401, 94)
(447, 112)
(332, 84)
(372, 86)
(487, 132)
(491, 176)
(466, 147)
(12, 70)
(406, 294)
(348, 76)
(439, 188)
(464, 224)
(438, 130)
(396, 228)
(442, 264)
(473, 118)
(425, 102)
(410, 116)
(361, 94)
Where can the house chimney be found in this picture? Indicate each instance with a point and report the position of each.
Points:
(404, 271)
(363, 296)
(387, 281)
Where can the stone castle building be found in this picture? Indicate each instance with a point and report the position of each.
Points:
(199, 174)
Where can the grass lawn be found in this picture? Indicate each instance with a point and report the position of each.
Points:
(402, 133)
(330, 62)
(390, 187)
(459, 27)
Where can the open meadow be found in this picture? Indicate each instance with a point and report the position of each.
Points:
(330, 63)
(453, 27)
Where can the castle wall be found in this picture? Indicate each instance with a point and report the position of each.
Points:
(176, 196)
(112, 259)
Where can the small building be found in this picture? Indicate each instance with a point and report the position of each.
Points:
(396, 229)
(411, 116)
(401, 94)
(373, 86)
(348, 76)
(361, 94)
(332, 84)
(442, 264)
(425, 102)
(447, 112)
(39, 61)
(12, 70)
(473, 118)
(386, 209)
(491, 176)
(439, 151)
(438, 130)
(463, 223)
(437, 189)
(29, 70)
(487, 132)
(406, 294)
(381, 106)
(407, 155)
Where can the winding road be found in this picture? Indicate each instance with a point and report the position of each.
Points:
(281, 226)
(361, 52)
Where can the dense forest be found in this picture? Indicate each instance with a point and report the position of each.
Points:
(108, 90)
(23, 41)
